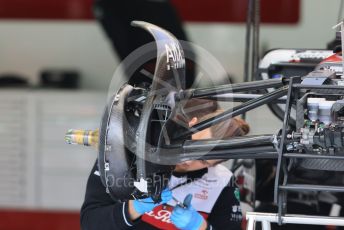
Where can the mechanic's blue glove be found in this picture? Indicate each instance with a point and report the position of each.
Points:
(147, 204)
(186, 218)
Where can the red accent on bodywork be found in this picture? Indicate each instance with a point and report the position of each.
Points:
(333, 58)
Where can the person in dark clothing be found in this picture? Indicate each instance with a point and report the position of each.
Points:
(115, 17)
(99, 211)
(211, 198)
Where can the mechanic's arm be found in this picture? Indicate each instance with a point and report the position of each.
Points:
(99, 211)
(227, 210)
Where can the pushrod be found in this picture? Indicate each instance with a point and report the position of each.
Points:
(231, 88)
(237, 110)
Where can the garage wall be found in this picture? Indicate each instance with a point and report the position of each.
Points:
(26, 47)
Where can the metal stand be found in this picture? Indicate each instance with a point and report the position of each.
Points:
(282, 183)
(267, 218)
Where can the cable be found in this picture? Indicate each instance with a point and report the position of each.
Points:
(255, 47)
(340, 12)
(247, 69)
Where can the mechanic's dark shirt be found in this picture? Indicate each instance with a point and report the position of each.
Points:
(100, 211)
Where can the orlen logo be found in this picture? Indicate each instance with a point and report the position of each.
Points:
(203, 195)
(162, 215)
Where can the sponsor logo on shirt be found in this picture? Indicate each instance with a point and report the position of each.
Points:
(237, 194)
(162, 215)
(159, 217)
(236, 208)
(203, 195)
(236, 217)
(236, 214)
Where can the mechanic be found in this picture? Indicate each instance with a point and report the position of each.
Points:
(204, 192)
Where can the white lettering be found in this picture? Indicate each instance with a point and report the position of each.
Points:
(163, 215)
(151, 213)
(169, 53)
(173, 52)
(176, 52)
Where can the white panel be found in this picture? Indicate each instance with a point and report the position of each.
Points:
(62, 191)
(37, 168)
(62, 165)
(12, 149)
